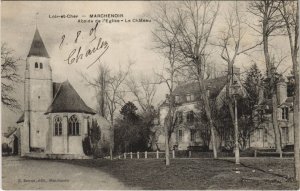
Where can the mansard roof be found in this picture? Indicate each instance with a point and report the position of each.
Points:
(67, 99)
(213, 85)
(37, 46)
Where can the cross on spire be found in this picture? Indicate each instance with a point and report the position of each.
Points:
(36, 19)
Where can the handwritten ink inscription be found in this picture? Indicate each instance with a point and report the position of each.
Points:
(97, 47)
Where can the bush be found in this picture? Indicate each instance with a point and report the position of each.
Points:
(226, 149)
(247, 153)
(288, 148)
(86, 145)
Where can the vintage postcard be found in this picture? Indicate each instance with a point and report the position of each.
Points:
(150, 95)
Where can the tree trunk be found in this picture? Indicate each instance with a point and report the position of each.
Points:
(111, 148)
(236, 132)
(167, 146)
(230, 101)
(296, 126)
(208, 115)
(168, 126)
(294, 46)
(270, 74)
(275, 123)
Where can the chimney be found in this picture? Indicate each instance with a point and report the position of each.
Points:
(281, 91)
(235, 70)
(167, 98)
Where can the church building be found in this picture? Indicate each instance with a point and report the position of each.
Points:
(55, 118)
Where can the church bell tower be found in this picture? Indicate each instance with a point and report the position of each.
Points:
(38, 96)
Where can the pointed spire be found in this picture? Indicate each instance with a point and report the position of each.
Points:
(37, 46)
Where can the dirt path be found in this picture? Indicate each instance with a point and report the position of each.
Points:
(25, 174)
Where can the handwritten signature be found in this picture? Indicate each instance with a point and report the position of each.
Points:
(97, 49)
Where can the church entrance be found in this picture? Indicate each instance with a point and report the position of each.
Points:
(16, 145)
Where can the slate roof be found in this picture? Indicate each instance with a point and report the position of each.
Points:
(213, 85)
(37, 46)
(67, 99)
(55, 87)
(21, 119)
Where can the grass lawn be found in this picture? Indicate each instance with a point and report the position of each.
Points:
(259, 173)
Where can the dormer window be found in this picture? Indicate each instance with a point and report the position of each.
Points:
(177, 98)
(41, 65)
(36, 65)
(188, 97)
(192, 97)
(285, 113)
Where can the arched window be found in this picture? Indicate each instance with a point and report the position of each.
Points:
(73, 126)
(36, 65)
(41, 65)
(285, 113)
(57, 126)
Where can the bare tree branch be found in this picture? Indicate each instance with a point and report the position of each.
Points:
(9, 77)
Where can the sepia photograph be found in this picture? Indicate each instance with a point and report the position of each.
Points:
(150, 95)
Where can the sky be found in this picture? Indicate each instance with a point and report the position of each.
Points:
(130, 41)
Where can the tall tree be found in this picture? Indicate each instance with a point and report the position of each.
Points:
(131, 131)
(231, 43)
(189, 25)
(143, 90)
(195, 20)
(247, 105)
(114, 94)
(270, 22)
(103, 81)
(9, 77)
(165, 43)
(95, 136)
(290, 13)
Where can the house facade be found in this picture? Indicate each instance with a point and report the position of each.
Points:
(188, 110)
(55, 118)
(263, 136)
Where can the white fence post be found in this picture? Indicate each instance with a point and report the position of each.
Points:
(146, 154)
(124, 155)
(138, 155)
(255, 153)
(130, 155)
(190, 154)
(173, 153)
(157, 154)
